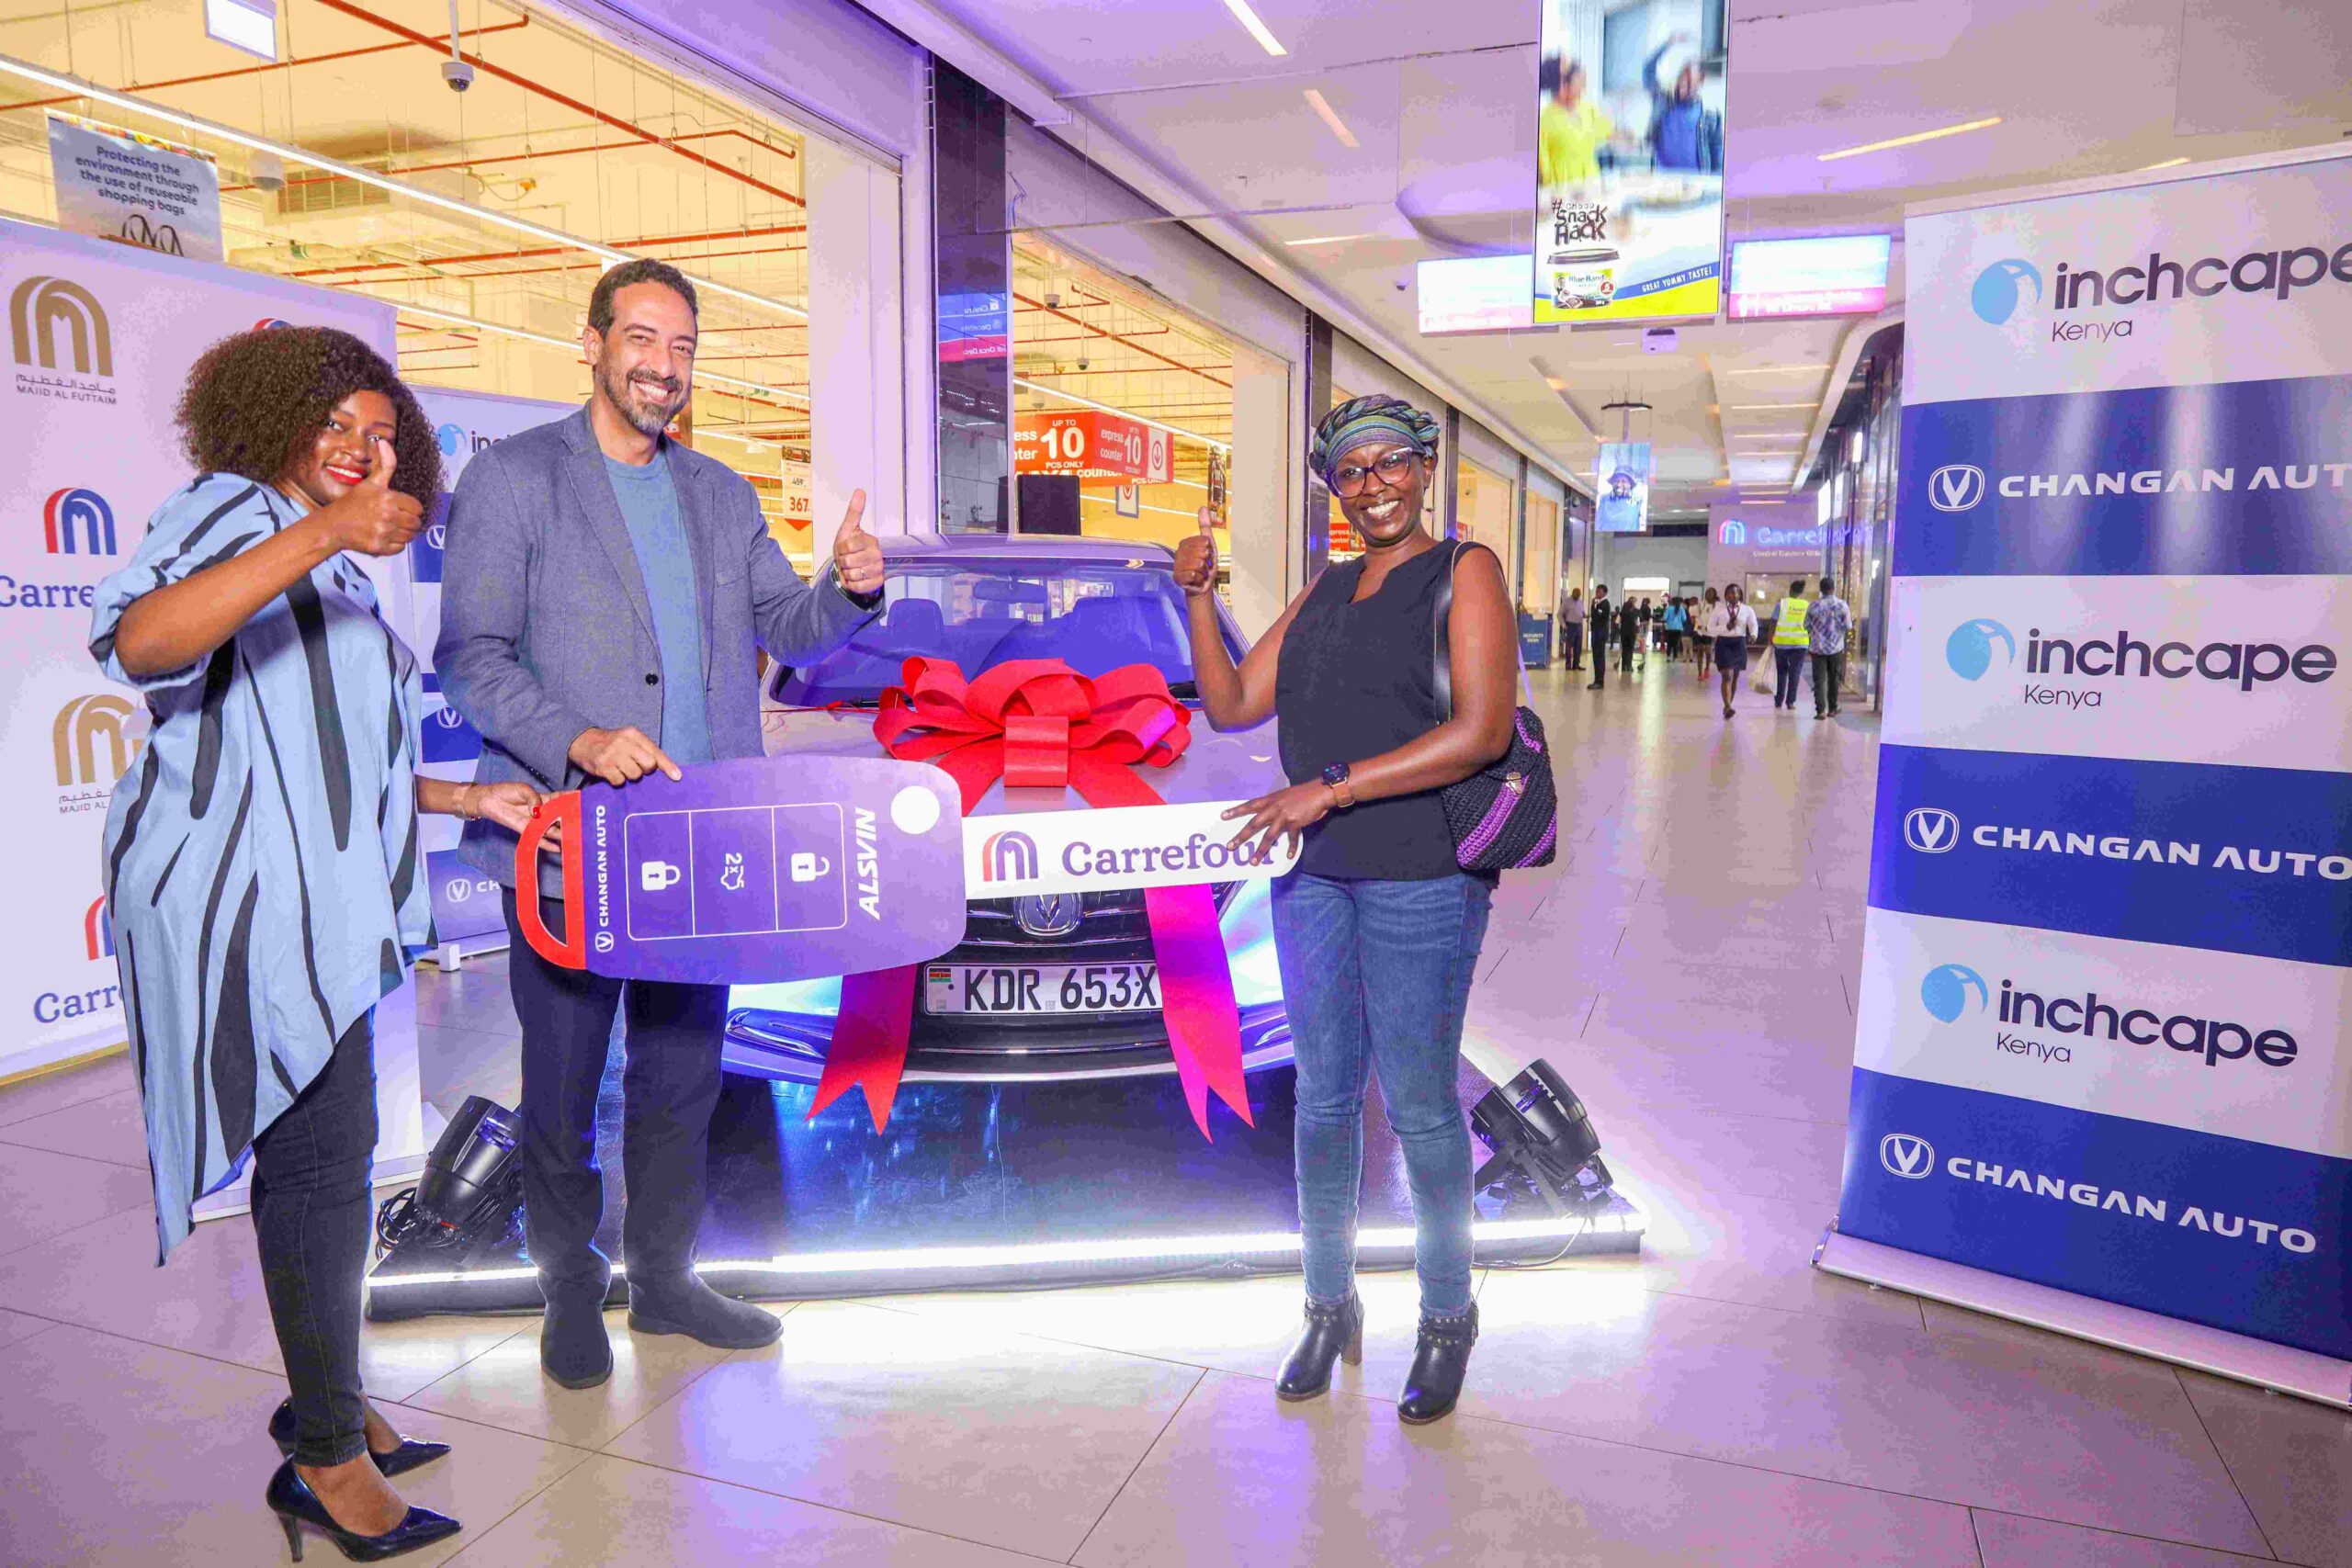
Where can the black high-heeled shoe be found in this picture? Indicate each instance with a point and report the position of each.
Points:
(290, 1498)
(1441, 1360)
(1332, 1334)
(410, 1455)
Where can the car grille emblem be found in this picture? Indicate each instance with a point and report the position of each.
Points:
(1046, 914)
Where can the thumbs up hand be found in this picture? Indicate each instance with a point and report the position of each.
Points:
(1196, 557)
(371, 517)
(858, 554)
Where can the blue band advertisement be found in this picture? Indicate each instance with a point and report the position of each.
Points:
(2107, 971)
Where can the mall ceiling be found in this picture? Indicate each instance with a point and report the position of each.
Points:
(1180, 101)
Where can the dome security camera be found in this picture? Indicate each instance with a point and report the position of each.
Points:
(458, 73)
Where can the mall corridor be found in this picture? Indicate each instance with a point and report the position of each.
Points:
(1690, 967)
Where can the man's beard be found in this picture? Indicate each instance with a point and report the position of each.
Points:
(648, 420)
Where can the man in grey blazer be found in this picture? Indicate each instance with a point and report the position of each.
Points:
(604, 590)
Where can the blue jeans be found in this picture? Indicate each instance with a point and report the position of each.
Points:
(1378, 974)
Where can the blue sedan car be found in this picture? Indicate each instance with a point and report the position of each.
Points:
(1050, 987)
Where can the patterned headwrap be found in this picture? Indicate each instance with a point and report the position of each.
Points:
(1368, 418)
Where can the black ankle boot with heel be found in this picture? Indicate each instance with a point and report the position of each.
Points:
(1333, 1333)
(1441, 1360)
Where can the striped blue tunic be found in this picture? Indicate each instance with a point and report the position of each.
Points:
(261, 860)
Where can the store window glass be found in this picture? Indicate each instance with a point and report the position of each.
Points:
(1122, 407)
(1540, 590)
(486, 216)
(1486, 511)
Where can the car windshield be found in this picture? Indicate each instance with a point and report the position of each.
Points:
(980, 612)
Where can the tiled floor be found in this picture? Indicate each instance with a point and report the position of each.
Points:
(1688, 965)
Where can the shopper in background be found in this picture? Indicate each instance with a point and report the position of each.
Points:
(1572, 628)
(1678, 621)
(280, 783)
(1703, 647)
(1827, 621)
(1629, 628)
(1730, 625)
(1604, 623)
(1378, 929)
(1789, 645)
(590, 563)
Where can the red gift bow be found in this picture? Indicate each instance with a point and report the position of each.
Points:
(1037, 723)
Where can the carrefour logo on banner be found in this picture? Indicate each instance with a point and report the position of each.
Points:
(2001, 288)
(269, 323)
(1945, 992)
(1969, 649)
(1734, 532)
(76, 522)
(97, 930)
(1009, 857)
(1956, 486)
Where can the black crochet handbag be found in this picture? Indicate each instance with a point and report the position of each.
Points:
(1505, 816)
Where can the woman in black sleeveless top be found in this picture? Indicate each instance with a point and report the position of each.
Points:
(1379, 928)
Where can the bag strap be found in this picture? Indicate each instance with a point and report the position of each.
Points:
(1442, 648)
(1442, 645)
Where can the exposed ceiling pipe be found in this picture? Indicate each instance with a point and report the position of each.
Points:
(1114, 337)
(255, 70)
(575, 105)
(534, 251)
(535, 156)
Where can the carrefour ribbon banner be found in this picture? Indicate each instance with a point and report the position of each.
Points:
(1038, 723)
(2102, 1042)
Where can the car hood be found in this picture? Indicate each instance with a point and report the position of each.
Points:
(1237, 765)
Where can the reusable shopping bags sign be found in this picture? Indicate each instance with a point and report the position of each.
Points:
(788, 868)
(2107, 962)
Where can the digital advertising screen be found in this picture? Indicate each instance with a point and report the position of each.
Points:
(1620, 482)
(1830, 275)
(1474, 294)
(1629, 161)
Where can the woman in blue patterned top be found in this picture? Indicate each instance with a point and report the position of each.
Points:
(262, 864)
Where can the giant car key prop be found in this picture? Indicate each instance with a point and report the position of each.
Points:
(779, 868)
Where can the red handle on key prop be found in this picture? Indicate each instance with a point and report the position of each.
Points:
(572, 951)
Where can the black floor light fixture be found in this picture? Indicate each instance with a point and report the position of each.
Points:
(1541, 1133)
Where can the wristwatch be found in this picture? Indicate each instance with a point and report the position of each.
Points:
(1335, 775)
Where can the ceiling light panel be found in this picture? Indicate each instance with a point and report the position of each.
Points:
(1257, 30)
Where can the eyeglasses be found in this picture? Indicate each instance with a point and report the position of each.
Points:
(1390, 467)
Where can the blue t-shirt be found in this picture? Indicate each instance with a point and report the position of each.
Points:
(649, 500)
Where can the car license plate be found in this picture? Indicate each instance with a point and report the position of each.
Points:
(1040, 988)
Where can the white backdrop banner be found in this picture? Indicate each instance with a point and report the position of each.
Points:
(100, 340)
(2101, 1041)
(465, 902)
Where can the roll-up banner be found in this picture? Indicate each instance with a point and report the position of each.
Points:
(2104, 1038)
(100, 339)
(466, 915)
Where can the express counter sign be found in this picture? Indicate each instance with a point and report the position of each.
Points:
(1089, 444)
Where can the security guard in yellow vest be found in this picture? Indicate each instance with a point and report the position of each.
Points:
(1789, 645)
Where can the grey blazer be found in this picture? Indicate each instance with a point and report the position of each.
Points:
(546, 629)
